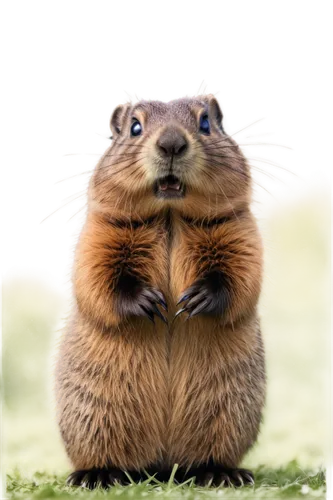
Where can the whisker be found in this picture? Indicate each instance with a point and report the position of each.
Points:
(73, 176)
(129, 149)
(85, 172)
(135, 171)
(267, 144)
(82, 154)
(119, 170)
(75, 215)
(123, 167)
(250, 144)
(201, 90)
(68, 200)
(268, 162)
(222, 139)
(258, 135)
(103, 136)
(124, 194)
(122, 157)
(219, 140)
(76, 195)
(235, 157)
(118, 142)
(224, 194)
(263, 171)
(226, 166)
(130, 153)
(128, 144)
(248, 126)
(270, 175)
(263, 187)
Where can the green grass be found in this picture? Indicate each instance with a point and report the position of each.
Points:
(294, 440)
(288, 482)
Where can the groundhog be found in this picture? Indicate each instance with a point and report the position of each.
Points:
(162, 360)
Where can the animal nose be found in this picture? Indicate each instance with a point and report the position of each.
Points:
(172, 142)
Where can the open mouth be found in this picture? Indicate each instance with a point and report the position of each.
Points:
(169, 187)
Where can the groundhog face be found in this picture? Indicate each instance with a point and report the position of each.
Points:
(171, 154)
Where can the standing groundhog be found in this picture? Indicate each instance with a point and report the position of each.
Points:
(162, 360)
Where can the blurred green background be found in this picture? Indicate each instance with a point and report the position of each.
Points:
(295, 307)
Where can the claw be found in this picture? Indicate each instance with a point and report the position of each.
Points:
(183, 298)
(159, 314)
(209, 483)
(180, 311)
(195, 299)
(161, 300)
(163, 304)
(200, 307)
(149, 314)
(249, 478)
(240, 479)
(157, 296)
(207, 479)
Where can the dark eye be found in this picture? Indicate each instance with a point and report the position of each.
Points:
(204, 125)
(136, 128)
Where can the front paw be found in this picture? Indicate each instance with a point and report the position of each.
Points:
(137, 299)
(208, 295)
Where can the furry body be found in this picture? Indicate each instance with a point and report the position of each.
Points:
(134, 394)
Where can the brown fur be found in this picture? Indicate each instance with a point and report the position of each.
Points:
(130, 393)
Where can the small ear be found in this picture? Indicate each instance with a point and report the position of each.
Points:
(118, 118)
(215, 110)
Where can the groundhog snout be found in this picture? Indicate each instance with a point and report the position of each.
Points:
(172, 143)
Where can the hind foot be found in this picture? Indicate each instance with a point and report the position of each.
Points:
(162, 474)
(104, 477)
(217, 475)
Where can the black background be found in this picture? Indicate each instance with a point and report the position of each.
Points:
(58, 117)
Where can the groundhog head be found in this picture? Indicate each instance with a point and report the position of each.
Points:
(174, 154)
